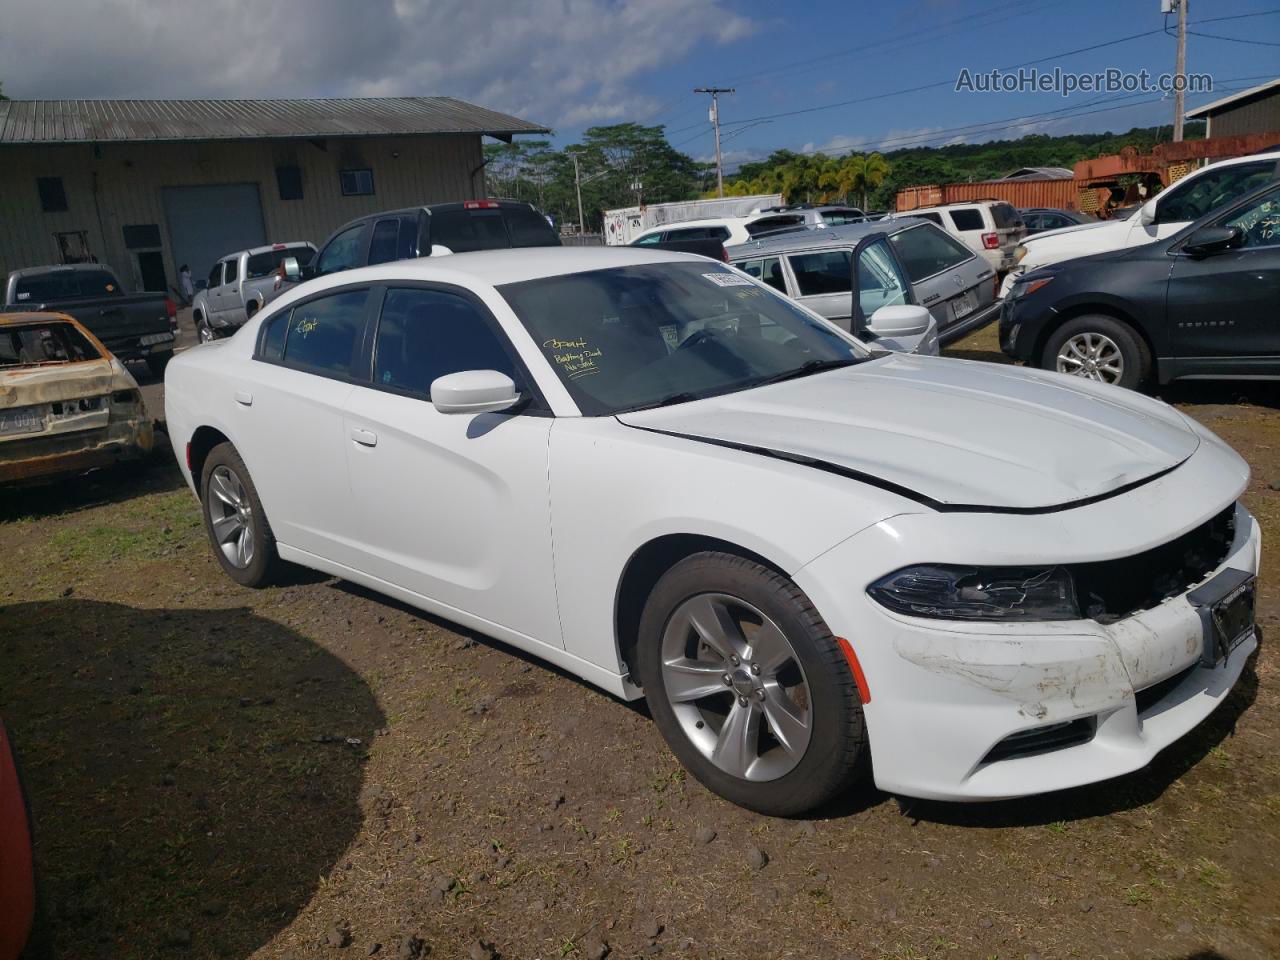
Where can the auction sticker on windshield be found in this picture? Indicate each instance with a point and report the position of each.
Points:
(728, 280)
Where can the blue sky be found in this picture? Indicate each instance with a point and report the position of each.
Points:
(824, 52)
(570, 64)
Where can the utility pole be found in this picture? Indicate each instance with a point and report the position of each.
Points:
(1180, 68)
(715, 122)
(577, 183)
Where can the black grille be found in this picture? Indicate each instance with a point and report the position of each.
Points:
(1148, 698)
(1055, 736)
(1113, 589)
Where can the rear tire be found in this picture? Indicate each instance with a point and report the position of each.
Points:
(235, 521)
(1100, 348)
(157, 362)
(790, 692)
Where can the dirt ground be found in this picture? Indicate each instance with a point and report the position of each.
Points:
(314, 771)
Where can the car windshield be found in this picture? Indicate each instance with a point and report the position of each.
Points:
(36, 344)
(642, 336)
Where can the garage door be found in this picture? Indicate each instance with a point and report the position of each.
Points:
(206, 223)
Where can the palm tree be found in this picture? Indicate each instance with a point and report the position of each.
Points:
(866, 171)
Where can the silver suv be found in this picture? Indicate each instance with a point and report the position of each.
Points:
(990, 228)
(916, 263)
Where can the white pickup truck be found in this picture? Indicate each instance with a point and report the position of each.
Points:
(1162, 216)
(240, 284)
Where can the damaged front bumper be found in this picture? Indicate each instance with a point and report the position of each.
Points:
(989, 710)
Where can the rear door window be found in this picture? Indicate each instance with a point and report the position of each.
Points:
(233, 267)
(323, 333)
(768, 269)
(926, 250)
(426, 334)
(966, 219)
(825, 272)
(385, 239)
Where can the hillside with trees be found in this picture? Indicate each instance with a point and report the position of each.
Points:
(627, 164)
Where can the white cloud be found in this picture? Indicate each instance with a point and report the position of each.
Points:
(559, 62)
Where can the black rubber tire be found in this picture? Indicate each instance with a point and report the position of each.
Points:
(1133, 349)
(251, 309)
(157, 362)
(262, 570)
(832, 762)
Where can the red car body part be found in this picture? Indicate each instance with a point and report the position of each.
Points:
(17, 869)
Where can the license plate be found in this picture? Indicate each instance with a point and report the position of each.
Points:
(1231, 621)
(962, 305)
(21, 420)
(151, 338)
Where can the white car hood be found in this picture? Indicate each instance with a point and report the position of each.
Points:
(949, 433)
(1081, 240)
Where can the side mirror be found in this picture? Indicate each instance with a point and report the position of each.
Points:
(291, 269)
(1147, 212)
(1209, 240)
(474, 391)
(904, 328)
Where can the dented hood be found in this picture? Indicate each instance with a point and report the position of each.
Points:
(954, 432)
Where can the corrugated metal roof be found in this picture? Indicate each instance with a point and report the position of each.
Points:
(1210, 108)
(102, 121)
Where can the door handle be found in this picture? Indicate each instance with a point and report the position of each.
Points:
(366, 438)
(244, 398)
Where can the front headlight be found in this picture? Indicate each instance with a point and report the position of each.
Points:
(954, 592)
(1024, 288)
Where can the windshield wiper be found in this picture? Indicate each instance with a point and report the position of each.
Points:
(666, 401)
(805, 369)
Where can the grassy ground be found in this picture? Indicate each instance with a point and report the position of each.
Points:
(312, 770)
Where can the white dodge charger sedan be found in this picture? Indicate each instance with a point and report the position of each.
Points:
(666, 478)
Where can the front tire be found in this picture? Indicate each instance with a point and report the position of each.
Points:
(235, 521)
(1099, 347)
(748, 686)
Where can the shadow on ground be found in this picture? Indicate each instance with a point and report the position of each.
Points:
(158, 473)
(192, 774)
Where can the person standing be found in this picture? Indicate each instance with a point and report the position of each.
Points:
(184, 281)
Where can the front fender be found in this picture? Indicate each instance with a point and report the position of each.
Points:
(614, 488)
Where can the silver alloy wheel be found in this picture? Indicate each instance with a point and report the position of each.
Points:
(1094, 356)
(231, 516)
(736, 687)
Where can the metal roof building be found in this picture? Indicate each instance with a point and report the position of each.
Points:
(148, 185)
(1256, 110)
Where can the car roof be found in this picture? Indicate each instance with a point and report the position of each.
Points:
(842, 235)
(269, 247)
(492, 268)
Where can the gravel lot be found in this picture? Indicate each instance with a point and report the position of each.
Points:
(315, 771)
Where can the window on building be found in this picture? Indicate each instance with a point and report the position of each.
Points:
(356, 183)
(289, 182)
(53, 198)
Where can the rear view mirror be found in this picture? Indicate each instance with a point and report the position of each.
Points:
(474, 391)
(1209, 240)
(1147, 213)
(904, 328)
(291, 269)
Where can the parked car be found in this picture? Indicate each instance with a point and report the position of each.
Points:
(138, 326)
(1165, 214)
(821, 215)
(434, 230)
(992, 229)
(1039, 219)
(17, 865)
(1202, 303)
(728, 230)
(240, 284)
(66, 404)
(923, 264)
(998, 581)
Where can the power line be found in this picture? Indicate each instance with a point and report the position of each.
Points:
(1214, 36)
